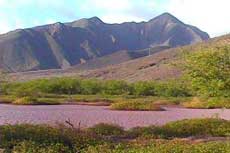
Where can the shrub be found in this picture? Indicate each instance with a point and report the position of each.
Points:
(107, 138)
(114, 87)
(144, 88)
(151, 131)
(61, 86)
(185, 128)
(7, 99)
(136, 105)
(91, 87)
(25, 101)
(197, 127)
(214, 102)
(173, 88)
(33, 147)
(26, 90)
(43, 135)
(162, 146)
(208, 71)
(107, 129)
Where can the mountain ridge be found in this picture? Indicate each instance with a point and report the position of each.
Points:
(62, 45)
(161, 65)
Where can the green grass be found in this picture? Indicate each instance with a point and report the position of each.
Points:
(7, 99)
(136, 105)
(162, 146)
(38, 101)
(197, 127)
(103, 129)
(33, 147)
(146, 103)
(112, 138)
(214, 102)
(119, 102)
(185, 128)
(42, 135)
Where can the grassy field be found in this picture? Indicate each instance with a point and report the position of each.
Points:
(177, 137)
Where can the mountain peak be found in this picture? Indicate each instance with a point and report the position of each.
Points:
(96, 20)
(166, 17)
(56, 28)
(167, 14)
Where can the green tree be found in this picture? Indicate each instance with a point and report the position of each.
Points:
(208, 71)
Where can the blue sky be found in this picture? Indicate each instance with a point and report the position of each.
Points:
(212, 16)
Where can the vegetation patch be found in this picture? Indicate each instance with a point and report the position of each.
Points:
(215, 102)
(112, 138)
(207, 71)
(134, 105)
(6, 99)
(107, 129)
(25, 101)
(162, 146)
(185, 128)
(197, 127)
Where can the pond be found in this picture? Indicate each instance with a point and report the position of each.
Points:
(85, 116)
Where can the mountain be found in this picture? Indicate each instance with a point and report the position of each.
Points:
(62, 45)
(158, 66)
(162, 65)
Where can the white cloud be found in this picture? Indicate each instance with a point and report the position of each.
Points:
(106, 5)
(119, 18)
(5, 27)
(212, 16)
(50, 21)
(118, 11)
(113, 5)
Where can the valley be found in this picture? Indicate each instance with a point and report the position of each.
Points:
(157, 86)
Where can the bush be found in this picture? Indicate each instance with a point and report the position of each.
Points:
(60, 86)
(108, 138)
(162, 146)
(185, 128)
(197, 127)
(33, 147)
(173, 88)
(214, 102)
(144, 88)
(7, 99)
(43, 135)
(136, 105)
(107, 129)
(70, 86)
(208, 71)
(114, 87)
(26, 90)
(151, 131)
(25, 101)
(91, 87)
